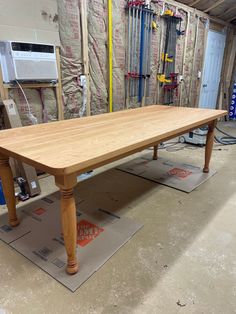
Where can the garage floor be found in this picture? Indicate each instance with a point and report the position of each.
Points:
(182, 261)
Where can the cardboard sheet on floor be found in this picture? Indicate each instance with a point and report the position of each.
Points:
(39, 238)
(183, 177)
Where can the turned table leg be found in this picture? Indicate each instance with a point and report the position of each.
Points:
(8, 189)
(209, 145)
(69, 223)
(155, 148)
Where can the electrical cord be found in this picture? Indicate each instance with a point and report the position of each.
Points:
(228, 139)
(32, 118)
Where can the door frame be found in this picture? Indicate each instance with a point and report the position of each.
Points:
(207, 30)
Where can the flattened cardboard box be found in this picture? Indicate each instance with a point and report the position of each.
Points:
(100, 234)
(182, 177)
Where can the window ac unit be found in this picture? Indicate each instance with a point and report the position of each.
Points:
(28, 62)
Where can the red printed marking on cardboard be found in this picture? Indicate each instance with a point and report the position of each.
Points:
(87, 232)
(39, 211)
(180, 173)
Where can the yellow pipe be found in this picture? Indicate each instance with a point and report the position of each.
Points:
(110, 55)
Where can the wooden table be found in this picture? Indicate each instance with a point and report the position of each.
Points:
(68, 148)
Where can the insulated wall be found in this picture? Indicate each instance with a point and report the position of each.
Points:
(189, 60)
(70, 35)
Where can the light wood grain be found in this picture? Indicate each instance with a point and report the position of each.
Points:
(8, 189)
(209, 145)
(155, 152)
(60, 107)
(69, 226)
(68, 219)
(70, 146)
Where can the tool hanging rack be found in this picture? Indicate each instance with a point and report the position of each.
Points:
(168, 79)
(140, 23)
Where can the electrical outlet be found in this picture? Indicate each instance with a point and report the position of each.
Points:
(199, 74)
(82, 80)
(181, 78)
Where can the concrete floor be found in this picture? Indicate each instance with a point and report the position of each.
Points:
(182, 261)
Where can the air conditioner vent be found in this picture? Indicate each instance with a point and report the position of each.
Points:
(28, 61)
(30, 69)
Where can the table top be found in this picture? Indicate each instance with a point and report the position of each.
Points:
(75, 145)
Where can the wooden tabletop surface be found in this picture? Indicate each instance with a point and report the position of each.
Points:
(74, 145)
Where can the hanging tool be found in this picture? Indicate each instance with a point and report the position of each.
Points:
(166, 57)
(145, 53)
(162, 78)
(147, 65)
(179, 31)
(168, 12)
(154, 25)
(143, 21)
(168, 79)
(140, 21)
(170, 88)
(134, 24)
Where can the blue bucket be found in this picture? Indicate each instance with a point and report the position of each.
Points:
(2, 198)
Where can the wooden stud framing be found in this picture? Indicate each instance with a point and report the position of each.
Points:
(194, 3)
(184, 57)
(204, 49)
(231, 61)
(59, 88)
(84, 23)
(194, 60)
(3, 90)
(228, 65)
(187, 8)
(231, 19)
(228, 11)
(30, 85)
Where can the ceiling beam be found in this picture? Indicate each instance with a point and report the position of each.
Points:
(193, 3)
(216, 4)
(231, 19)
(228, 11)
(187, 8)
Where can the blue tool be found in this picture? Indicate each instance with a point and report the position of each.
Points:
(140, 91)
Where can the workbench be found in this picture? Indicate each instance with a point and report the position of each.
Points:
(68, 148)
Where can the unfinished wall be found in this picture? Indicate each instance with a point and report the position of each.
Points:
(31, 21)
(70, 35)
(69, 25)
(28, 20)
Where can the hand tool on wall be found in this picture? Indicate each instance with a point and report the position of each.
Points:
(168, 78)
(145, 54)
(147, 65)
(140, 21)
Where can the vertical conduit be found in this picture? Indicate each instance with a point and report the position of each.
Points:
(143, 15)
